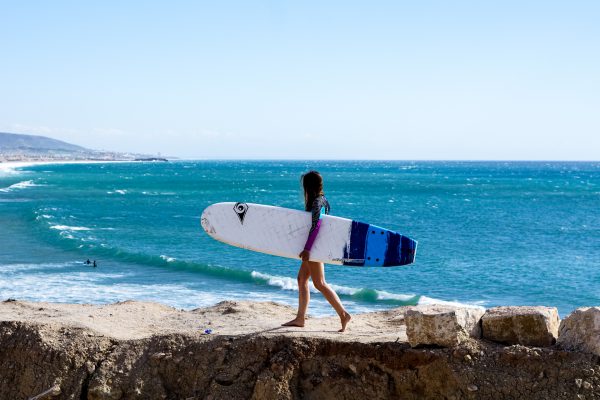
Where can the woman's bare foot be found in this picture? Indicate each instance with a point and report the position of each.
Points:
(345, 319)
(299, 322)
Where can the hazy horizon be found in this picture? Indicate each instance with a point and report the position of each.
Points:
(266, 80)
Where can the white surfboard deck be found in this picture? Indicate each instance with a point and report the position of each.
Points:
(283, 232)
(276, 230)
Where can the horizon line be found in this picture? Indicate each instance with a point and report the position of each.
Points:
(382, 159)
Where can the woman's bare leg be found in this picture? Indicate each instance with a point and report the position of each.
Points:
(317, 273)
(303, 296)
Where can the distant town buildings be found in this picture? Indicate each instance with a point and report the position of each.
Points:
(12, 156)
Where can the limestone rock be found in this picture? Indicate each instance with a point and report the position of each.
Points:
(525, 325)
(64, 361)
(580, 331)
(442, 325)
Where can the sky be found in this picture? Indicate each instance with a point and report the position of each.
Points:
(400, 80)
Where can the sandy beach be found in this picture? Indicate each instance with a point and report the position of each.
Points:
(138, 320)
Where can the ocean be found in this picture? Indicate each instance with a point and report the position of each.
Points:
(489, 233)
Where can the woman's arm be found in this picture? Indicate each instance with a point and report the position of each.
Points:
(317, 213)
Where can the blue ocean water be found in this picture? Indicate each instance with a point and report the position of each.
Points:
(490, 233)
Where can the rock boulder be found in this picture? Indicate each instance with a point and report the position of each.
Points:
(580, 331)
(525, 325)
(442, 325)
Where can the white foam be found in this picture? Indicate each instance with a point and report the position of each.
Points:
(429, 300)
(74, 282)
(291, 284)
(21, 267)
(12, 167)
(282, 282)
(69, 228)
(383, 295)
(88, 286)
(159, 193)
(167, 258)
(43, 216)
(20, 185)
(9, 168)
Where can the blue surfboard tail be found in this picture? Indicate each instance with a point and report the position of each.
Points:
(372, 246)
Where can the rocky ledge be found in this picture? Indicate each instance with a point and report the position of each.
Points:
(236, 350)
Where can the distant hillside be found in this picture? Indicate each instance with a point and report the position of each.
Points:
(12, 142)
(18, 147)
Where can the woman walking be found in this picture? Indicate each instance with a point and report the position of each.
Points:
(317, 204)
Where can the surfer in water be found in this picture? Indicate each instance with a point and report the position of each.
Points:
(317, 204)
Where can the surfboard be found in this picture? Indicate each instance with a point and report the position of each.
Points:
(282, 232)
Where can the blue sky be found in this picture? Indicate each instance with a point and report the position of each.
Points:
(336, 80)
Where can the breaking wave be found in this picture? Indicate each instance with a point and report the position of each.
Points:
(19, 185)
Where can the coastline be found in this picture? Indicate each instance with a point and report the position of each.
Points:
(238, 350)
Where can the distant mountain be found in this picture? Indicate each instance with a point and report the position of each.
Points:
(12, 142)
(18, 147)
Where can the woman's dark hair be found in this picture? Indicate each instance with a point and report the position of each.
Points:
(312, 182)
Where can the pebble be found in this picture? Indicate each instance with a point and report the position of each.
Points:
(472, 388)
